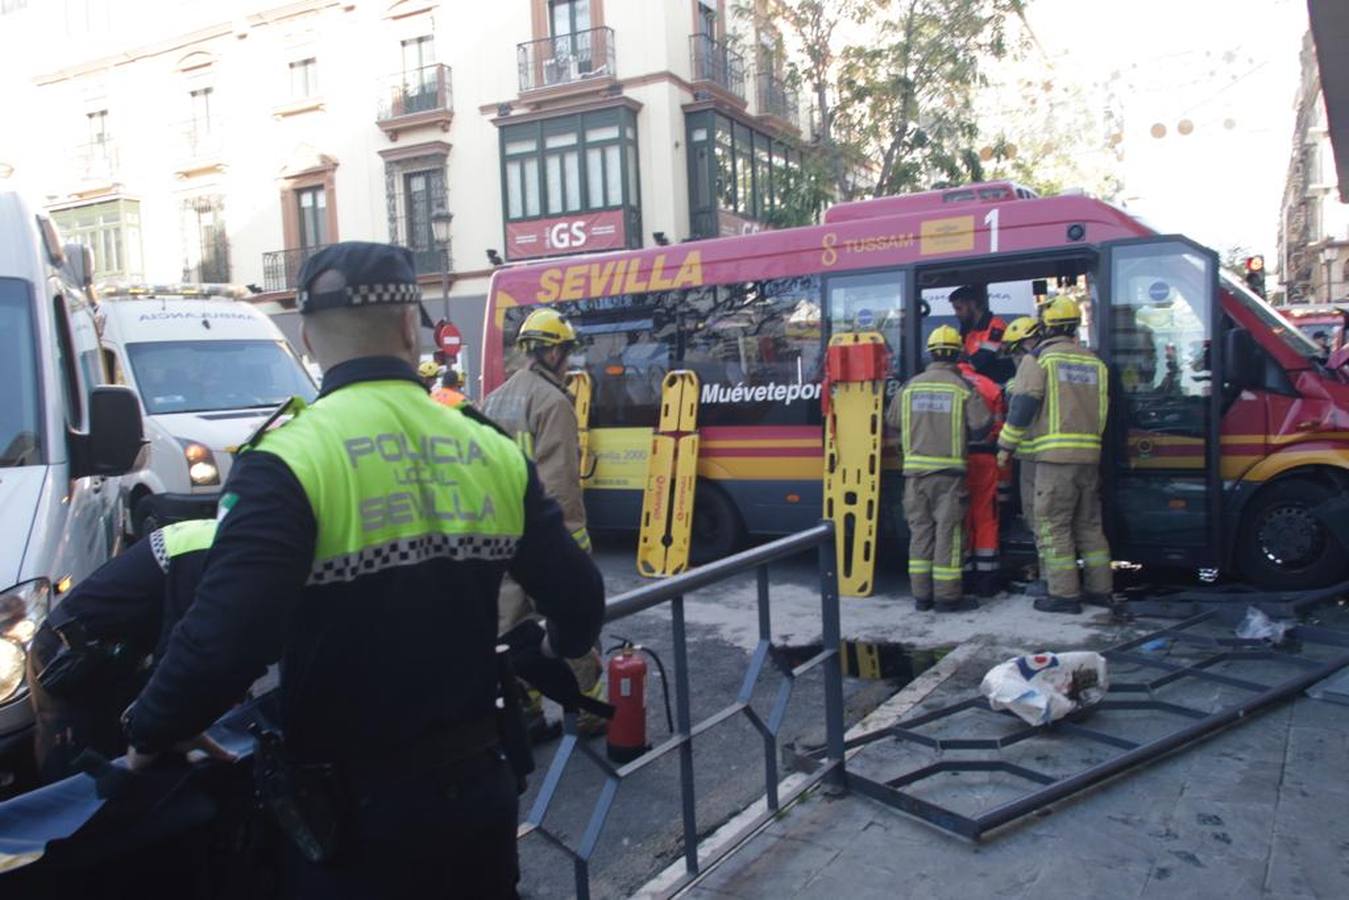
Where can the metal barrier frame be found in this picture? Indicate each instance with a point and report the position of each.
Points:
(1051, 788)
(672, 591)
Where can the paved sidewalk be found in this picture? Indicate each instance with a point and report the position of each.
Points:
(1258, 810)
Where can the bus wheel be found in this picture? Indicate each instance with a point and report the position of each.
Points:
(717, 529)
(1283, 546)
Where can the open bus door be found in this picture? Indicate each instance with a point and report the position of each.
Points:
(1158, 318)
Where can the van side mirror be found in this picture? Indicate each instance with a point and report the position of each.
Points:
(116, 433)
(1242, 359)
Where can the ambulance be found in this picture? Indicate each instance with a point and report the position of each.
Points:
(208, 368)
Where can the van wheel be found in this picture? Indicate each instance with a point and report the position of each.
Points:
(1282, 546)
(143, 518)
(717, 528)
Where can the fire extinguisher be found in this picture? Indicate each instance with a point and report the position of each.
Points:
(627, 694)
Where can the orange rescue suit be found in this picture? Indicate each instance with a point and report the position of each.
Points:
(982, 477)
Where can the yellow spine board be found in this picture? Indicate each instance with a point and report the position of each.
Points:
(581, 388)
(852, 472)
(671, 479)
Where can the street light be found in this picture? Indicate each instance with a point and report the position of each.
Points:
(440, 231)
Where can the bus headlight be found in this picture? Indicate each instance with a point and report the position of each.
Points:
(201, 467)
(22, 609)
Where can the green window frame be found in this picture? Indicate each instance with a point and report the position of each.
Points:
(570, 164)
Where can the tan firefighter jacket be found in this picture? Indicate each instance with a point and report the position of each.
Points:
(534, 407)
(1060, 400)
(937, 413)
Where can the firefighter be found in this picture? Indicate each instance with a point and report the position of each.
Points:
(984, 480)
(534, 407)
(362, 544)
(980, 332)
(1059, 406)
(92, 654)
(936, 414)
(1018, 340)
(428, 372)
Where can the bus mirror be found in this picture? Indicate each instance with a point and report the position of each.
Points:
(1242, 357)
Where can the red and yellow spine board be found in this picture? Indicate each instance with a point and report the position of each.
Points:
(581, 388)
(671, 479)
(855, 394)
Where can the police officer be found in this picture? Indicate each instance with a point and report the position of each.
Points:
(1059, 406)
(1018, 340)
(92, 655)
(980, 332)
(533, 405)
(362, 543)
(936, 413)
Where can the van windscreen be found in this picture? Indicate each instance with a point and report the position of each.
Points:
(197, 376)
(20, 413)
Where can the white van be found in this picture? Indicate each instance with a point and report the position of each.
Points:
(209, 369)
(66, 435)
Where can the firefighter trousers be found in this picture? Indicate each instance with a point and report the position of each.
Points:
(1027, 486)
(982, 518)
(1068, 513)
(934, 507)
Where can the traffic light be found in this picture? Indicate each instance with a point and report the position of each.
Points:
(1255, 274)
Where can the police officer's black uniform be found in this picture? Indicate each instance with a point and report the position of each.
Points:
(388, 669)
(90, 657)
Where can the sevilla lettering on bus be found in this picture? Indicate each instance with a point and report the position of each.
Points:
(618, 276)
(760, 393)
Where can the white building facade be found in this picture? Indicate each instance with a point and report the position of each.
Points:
(226, 141)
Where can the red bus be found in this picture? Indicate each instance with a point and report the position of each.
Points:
(1226, 428)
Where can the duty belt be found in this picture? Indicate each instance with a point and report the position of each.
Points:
(462, 745)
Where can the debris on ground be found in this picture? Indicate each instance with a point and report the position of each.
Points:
(1045, 687)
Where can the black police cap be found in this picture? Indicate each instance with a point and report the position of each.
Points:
(372, 274)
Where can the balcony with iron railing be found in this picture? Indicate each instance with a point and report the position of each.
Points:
(96, 161)
(281, 268)
(414, 98)
(777, 100)
(566, 59)
(715, 63)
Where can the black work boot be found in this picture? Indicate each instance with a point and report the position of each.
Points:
(1106, 600)
(964, 604)
(1058, 604)
(922, 604)
(987, 584)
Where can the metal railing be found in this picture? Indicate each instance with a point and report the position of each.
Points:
(566, 58)
(281, 268)
(714, 61)
(671, 591)
(416, 91)
(776, 99)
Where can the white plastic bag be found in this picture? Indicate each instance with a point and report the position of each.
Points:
(1047, 686)
(1259, 627)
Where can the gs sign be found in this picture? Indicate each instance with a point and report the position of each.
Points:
(585, 232)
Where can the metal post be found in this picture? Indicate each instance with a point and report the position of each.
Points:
(770, 743)
(833, 671)
(445, 277)
(683, 724)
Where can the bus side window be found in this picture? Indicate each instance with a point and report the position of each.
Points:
(757, 349)
(872, 302)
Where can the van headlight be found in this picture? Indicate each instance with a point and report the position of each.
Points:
(22, 609)
(201, 467)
